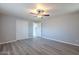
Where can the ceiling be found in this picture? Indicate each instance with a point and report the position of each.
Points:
(22, 10)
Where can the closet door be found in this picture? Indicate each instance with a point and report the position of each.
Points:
(21, 29)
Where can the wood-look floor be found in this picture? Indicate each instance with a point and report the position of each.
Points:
(38, 46)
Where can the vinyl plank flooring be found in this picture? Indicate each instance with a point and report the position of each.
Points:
(38, 46)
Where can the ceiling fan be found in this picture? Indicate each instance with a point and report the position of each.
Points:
(39, 12)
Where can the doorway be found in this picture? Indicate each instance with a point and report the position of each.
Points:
(36, 29)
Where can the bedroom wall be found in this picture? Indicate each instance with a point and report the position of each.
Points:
(0, 28)
(13, 28)
(7, 29)
(64, 28)
(30, 27)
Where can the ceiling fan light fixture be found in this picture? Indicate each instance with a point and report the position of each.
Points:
(39, 16)
(39, 11)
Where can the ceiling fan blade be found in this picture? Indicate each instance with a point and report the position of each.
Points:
(46, 15)
(32, 13)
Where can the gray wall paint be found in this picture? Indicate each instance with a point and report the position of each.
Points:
(30, 27)
(0, 28)
(10, 26)
(8, 29)
(63, 28)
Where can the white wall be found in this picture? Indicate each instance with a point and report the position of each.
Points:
(63, 28)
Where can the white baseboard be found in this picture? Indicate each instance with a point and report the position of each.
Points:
(8, 41)
(45, 38)
(12, 41)
(60, 41)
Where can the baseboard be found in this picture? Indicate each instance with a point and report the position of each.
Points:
(8, 42)
(12, 41)
(42, 37)
(61, 41)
